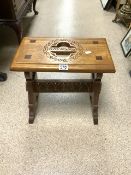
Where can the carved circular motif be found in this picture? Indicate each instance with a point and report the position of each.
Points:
(63, 50)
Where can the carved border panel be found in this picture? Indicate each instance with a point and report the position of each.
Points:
(63, 50)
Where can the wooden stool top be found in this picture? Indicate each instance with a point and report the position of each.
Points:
(62, 54)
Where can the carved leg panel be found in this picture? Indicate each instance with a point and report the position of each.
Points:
(34, 86)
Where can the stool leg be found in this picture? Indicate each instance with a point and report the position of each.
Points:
(32, 96)
(94, 96)
(95, 99)
(33, 101)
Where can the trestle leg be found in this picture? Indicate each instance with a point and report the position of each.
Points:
(32, 96)
(94, 96)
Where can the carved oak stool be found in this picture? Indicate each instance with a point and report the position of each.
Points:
(63, 55)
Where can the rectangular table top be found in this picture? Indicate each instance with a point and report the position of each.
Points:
(90, 55)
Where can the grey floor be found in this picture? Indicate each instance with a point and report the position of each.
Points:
(63, 139)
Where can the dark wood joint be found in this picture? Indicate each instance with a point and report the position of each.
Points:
(30, 75)
(98, 76)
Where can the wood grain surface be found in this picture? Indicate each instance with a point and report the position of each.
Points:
(94, 57)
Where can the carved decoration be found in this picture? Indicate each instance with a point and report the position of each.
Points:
(63, 50)
(62, 86)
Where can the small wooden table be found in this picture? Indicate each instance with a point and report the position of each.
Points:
(63, 55)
